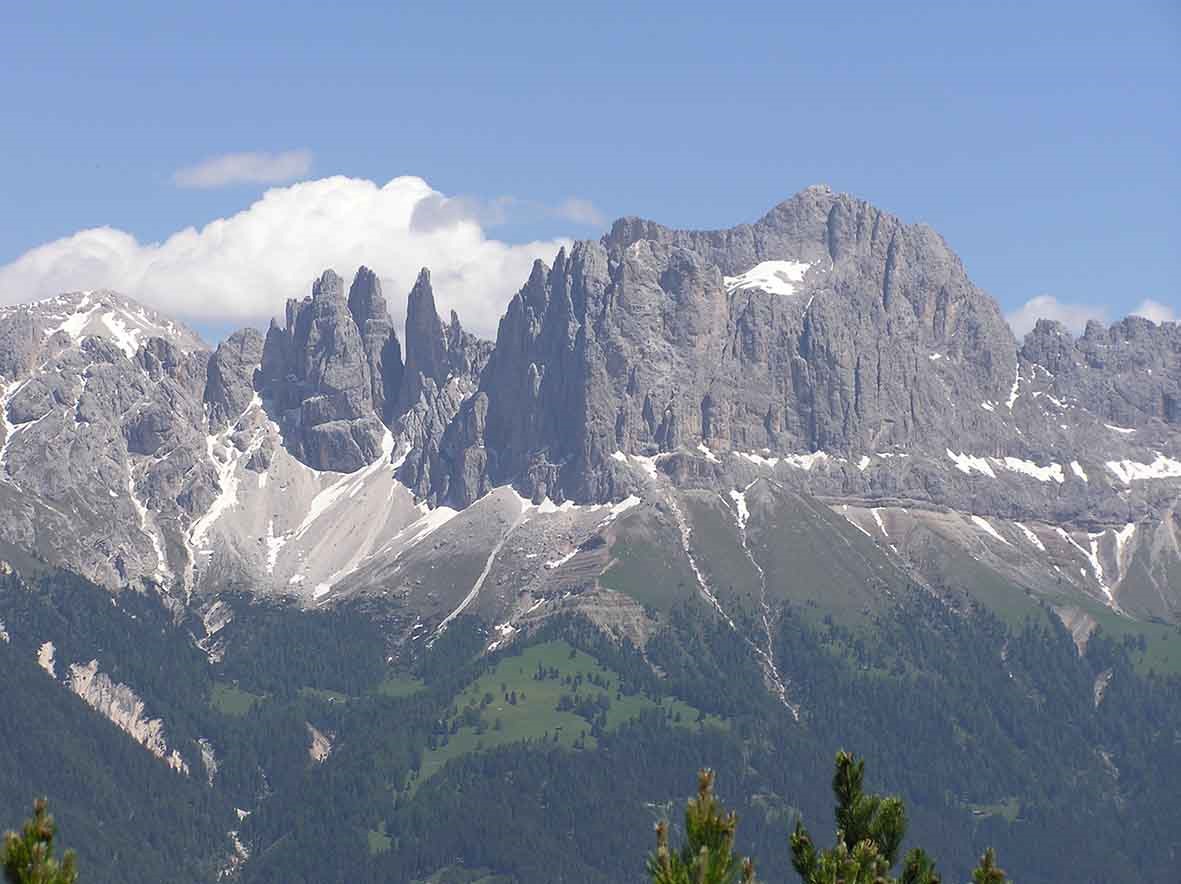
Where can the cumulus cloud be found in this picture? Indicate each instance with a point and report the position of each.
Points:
(580, 211)
(245, 168)
(440, 210)
(1076, 316)
(242, 268)
(1156, 311)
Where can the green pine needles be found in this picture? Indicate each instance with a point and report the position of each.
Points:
(870, 830)
(707, 856)
(27, 857)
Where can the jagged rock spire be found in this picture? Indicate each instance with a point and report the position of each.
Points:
(383, 351)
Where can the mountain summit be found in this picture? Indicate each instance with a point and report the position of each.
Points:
(828, 351)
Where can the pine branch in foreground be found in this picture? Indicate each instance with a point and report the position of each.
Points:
(27, 857)
(870, 831)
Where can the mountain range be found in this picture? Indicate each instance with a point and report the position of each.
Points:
(815, 413)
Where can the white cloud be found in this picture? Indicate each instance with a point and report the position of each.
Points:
(1156, 311)
(1076, 316)
(442, 210)
(580, 211)
(1073, 316)
(242, 268)
(245, 168)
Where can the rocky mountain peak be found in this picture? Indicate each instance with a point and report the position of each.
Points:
(426, 344)
(828, 345)
(230, 382)
(317, 373)
(365, 298)
(383, 351)
(329, 287)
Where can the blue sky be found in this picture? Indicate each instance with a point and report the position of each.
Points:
(1041, 139)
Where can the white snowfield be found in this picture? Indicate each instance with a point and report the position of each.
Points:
(1052, 472)
(1129, 471)
(121, 321)
(967, 463)
(986, 526)
(773, 277)
(1032, 537)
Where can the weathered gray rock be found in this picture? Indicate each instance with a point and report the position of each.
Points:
(1128, 374)
(317, 373)
(230, 383)
(639, 344)
(383, 352)
(828, 346)
(443, 368)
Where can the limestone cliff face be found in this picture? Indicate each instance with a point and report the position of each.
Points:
(317, 373)
(1128, 374)
(230, 381)
(813, 330)
(383, 351)
(443, 368)
(124, 708)
(829, 343)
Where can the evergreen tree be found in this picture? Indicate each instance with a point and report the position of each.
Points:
(707, 856)
(870, 829)
(28, 857)
(987, 872)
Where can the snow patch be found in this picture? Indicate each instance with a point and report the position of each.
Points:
(225, 461)
(274, 545)
(1127, 431)
(430, 521)
(986, 526)
(647, 464)
(1052, 472)
(76, 322)
(3, 633)
(739, 498)
(558, 563)
(768, 462)
(1122, 538)
(1130, 471)
(475, 590)
(1013, 391)
(705, 450)
(773, 277)
(1077, 469)
(805, 461)
(798, 461)
(147, 528)
(877, 518)
(849, 519)
(1091, 554)
(618, 509)
(967, 463)
(123, 337)
(10, 429)
(1031, 537)
(863, 464)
